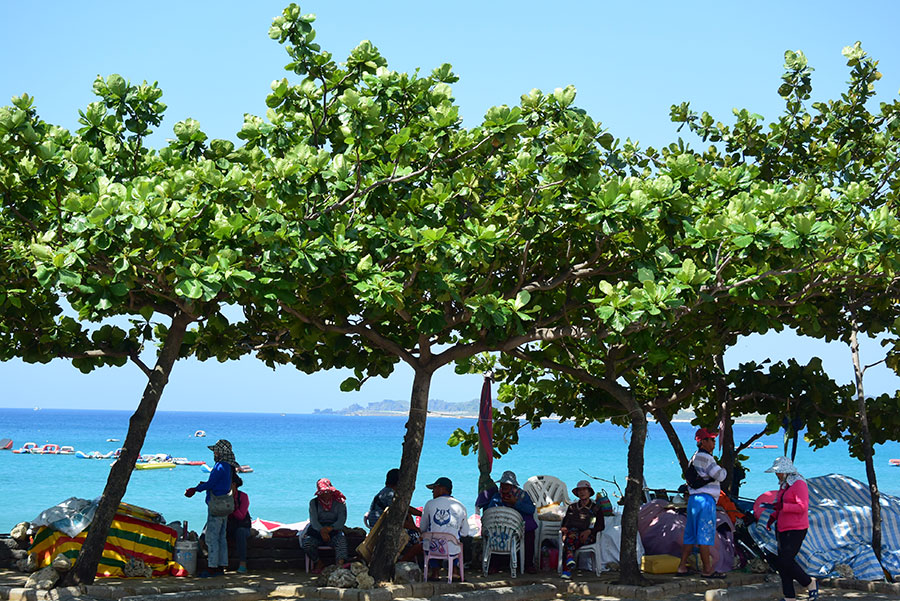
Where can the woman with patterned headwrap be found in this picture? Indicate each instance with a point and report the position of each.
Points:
(219, 483)
(327, 516)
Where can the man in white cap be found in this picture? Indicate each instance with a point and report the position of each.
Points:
(580, 526)
(510, 495)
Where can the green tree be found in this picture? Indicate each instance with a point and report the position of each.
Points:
(853, 155)
(109, 247)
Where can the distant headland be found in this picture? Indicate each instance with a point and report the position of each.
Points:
(436, 408)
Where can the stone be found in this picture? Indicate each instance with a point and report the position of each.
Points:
(342, 578)
(407, 572)
(20, 531)
(844, 570)
(18, 554)
(322, 580)
(363, 580)
(358, 567)
(29, 564)
(61, 563)
(137, 568)
(43, 579)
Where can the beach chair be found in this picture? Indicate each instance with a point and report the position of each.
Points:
(503, 533)
(545, 490)
(436, 545)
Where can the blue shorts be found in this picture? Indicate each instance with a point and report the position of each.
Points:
(700, 528)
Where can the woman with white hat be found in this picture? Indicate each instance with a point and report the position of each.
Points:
(791, 516)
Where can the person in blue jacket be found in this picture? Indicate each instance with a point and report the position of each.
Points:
(219, 483)
(510, 495)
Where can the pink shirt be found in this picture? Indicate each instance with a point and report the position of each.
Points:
(794, 514)
(241, 505)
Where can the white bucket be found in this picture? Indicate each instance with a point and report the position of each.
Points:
(186, 555)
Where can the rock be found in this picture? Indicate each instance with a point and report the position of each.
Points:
(363, 580)
(322, 580)
(29, 564)
(757, 565)
(43, 579)
(358, 567)
(18, 554)
(844, 570)
(20, 532)
(136, 568)
(61, 563)
(342, 578)
(407, 572)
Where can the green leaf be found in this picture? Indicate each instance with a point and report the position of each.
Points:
(522, 299)
(349, 385)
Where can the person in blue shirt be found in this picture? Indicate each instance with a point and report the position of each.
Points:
(510, 495)
(218, 483)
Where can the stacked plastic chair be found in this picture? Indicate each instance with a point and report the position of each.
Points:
(503, 533)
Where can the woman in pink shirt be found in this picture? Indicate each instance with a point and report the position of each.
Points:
(791, 516)
(238, 526)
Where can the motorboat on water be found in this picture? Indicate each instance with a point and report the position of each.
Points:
(244, 469)
(894, 462)
(199, 434)
(154, 465)
(26, 448)
(186, 461)
(759, 445)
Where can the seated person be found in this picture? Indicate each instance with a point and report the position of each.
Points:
(510, 495)
(237, 529)
(580, 526)
(382, 501)
(327, 516)
(444, 514)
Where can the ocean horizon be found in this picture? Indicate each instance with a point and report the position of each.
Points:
(289, 452)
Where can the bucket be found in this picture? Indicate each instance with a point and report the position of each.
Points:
(186, 555)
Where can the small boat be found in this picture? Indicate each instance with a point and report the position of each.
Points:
(48, 449)
(244, 469)
(199, 433)
(186, 461)
(66, 450)
(155, 465)
(894, 462)
(5, 444)
(26, 448)
(112, 440)
(759, 445)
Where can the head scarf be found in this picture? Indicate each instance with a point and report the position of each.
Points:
(222, 453)
(323, 488)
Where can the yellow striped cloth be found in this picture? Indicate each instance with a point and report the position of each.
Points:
(130, 535)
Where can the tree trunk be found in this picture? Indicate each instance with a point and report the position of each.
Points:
(867, 443)
(630, 570)
(726, 436)
(120, 473)
(387, 542)
(663, 420)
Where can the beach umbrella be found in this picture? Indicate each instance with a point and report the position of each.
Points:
(485, 436)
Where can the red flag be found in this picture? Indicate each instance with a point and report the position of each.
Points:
(486, 426)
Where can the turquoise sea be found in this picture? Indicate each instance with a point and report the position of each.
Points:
(288, 453)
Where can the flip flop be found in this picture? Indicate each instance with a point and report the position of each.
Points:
(814, 594)
(717, 575)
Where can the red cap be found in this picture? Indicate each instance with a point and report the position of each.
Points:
(703, 434)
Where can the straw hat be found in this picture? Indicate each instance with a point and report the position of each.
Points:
(583, 484)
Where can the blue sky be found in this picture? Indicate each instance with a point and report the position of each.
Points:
(629, 62)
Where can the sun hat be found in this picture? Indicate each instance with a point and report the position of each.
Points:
(583, 484)
(782, 465)
(442, 481)
(508, 477)
(222, 452)
(704, 433)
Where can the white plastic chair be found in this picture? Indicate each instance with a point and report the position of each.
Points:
(435, 546)
(503, 533)
(545, 490)
(606, 548)
(593, 548)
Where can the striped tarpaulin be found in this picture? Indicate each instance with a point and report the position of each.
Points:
(840, 530)
(129, 536)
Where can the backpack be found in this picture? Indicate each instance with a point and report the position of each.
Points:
(694, 479)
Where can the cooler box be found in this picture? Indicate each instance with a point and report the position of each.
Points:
(660, 564)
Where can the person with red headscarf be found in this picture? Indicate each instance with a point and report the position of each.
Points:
(327, 516)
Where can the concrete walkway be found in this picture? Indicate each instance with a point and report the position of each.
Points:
(288, 585)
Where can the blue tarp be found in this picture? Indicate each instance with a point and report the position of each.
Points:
(840, 530)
